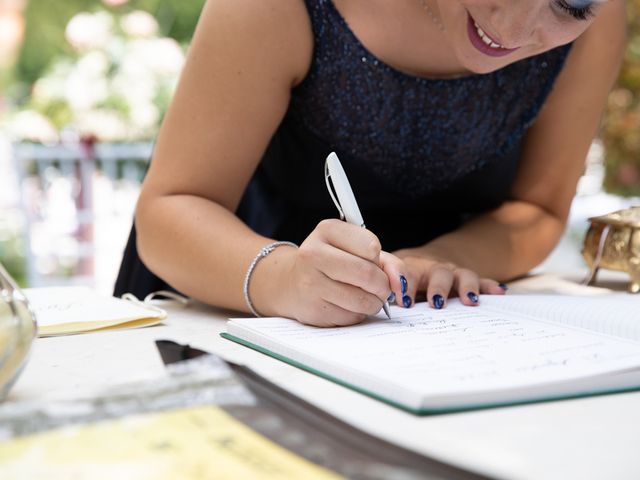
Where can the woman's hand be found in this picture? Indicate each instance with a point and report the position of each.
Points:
(339, 275)
(440, 279)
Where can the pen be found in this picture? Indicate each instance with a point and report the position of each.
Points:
(346, 201)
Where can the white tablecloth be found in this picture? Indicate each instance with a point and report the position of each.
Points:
(589, 438)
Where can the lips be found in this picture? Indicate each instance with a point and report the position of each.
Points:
(483, 42)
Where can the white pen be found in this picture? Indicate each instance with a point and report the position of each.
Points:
(346, 201)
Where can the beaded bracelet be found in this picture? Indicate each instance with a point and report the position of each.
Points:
(264, 251)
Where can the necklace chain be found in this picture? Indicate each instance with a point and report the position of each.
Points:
(436, 20)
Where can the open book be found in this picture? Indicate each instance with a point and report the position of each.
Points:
(68, 310)
(510, 349)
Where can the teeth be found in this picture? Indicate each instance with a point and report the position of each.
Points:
(485, 38)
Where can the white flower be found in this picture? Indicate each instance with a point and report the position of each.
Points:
(106, 125)
(169, 58)
(32, 126)
(87, 85)
(86, 30)
(144, 115)
(139, 24)
(93, 64)
(114, 3)
(162, 56)
(52, 86)
(134, 81)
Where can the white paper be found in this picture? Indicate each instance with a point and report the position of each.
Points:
(437, 352)
(615, 314)
(77, 305)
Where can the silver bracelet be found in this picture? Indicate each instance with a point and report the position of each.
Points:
(264, 251)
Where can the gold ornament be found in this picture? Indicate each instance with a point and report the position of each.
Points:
(613, 242)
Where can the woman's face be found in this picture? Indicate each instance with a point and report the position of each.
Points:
(488, 34)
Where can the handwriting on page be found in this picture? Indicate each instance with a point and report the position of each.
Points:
(55, 306)
(456, 347)
(613, 314)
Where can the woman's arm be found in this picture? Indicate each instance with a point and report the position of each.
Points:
(510, 240)
(233, 92)
(245, 57)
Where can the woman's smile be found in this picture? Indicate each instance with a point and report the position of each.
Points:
(483, 42)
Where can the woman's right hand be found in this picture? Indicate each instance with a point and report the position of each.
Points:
(339, 275)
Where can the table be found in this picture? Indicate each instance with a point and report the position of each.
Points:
(596, 437)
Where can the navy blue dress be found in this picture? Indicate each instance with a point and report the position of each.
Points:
(422, 155)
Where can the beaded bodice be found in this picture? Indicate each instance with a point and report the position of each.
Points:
(421, 134)
(412, 146)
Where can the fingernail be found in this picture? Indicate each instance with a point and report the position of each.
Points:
(406, 301)
(438, 301)
(391, 298)
(473, 297)
(504, 287)
(403, 285)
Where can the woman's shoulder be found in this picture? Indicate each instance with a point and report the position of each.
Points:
(277, 31)
(608, 33)
(598, 52)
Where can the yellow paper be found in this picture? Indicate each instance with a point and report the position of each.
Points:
(190, 444)
(70, 310)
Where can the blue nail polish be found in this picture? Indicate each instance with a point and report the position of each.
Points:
(391, 298)
(438, 301)
(504, 287)
(403, 284)
(473, 297)
(406, 301)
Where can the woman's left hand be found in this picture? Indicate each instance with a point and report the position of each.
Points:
(440, 279)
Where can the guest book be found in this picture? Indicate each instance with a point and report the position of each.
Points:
(510, 349)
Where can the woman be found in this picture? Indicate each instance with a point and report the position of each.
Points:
(462, 124)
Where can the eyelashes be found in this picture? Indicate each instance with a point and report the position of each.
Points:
(579, 13)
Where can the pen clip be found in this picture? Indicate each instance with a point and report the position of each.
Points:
(327, 176)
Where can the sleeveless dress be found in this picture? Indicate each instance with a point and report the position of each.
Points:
(422, 155)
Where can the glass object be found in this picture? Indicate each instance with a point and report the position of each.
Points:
(17, 331)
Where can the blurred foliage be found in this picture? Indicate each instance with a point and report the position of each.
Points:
(46, 20)
(12, 250)
(45, 41)
(621, 129)
(111, 79)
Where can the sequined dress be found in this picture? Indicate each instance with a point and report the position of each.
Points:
(422, 155)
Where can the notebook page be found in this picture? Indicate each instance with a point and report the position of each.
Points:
(437, 352)
(80, 305)
(615, 314)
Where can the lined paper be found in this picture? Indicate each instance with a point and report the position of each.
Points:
(615, 314)
(458, 349)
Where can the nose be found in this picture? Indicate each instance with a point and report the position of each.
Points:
(515, 21)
